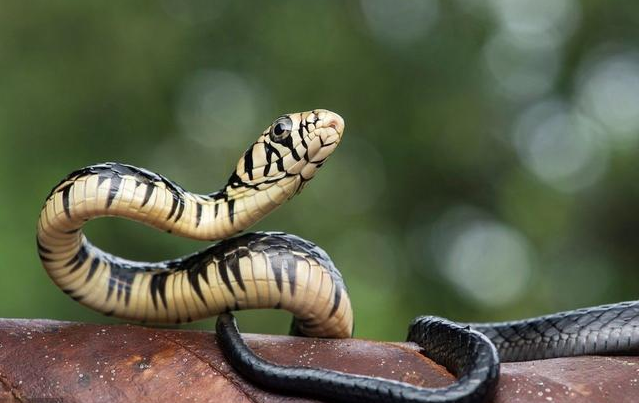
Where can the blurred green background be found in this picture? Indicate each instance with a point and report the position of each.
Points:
(489, 168)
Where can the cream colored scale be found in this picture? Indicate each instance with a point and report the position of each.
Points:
(285, 156)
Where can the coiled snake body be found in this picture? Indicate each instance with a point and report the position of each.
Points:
(277, 270)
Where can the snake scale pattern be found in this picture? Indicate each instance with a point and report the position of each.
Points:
(281, 271)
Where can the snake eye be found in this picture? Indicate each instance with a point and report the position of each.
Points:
(280, 129)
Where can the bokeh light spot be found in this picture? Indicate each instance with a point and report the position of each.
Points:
(549, 21)
(608, 92)
(520, 72)
(218, 109)
(400, 23)
(561, 147)
(489, 262)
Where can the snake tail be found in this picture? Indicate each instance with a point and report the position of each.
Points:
(467, 353)
(602, 330)
(472, 352)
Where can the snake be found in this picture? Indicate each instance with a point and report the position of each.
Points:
(276, 270)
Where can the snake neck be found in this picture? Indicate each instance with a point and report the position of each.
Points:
(114, 189)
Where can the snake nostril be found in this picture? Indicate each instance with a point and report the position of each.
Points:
(336, 123)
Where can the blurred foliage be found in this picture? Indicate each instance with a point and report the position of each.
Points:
(488, 169)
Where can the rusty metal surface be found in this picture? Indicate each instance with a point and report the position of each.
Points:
(75, 362)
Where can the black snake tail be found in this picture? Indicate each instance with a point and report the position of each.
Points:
(468, 351)
(602, 330)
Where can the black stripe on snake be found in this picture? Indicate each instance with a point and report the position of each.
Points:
(281, 271)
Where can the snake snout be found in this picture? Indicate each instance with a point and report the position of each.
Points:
(330, 120)
(336, 122)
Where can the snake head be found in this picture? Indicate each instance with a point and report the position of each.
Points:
(287, 154)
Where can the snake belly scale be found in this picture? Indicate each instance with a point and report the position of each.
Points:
(251, 271)
(282, 271)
